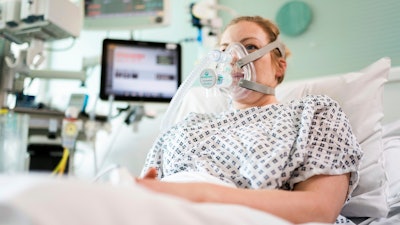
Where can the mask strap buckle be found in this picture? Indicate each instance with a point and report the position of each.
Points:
(261, 52)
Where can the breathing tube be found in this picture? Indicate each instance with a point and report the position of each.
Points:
(209, 61)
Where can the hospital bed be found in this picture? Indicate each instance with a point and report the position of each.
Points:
(370, 99)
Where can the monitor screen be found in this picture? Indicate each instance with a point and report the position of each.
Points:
(125, 14)
(140, 70)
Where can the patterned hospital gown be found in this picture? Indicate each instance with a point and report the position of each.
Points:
(269, 147)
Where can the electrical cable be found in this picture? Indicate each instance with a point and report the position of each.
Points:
(62, 165)
(109, 148)
(105, 171)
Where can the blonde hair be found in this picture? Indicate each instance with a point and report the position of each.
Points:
(272, 32)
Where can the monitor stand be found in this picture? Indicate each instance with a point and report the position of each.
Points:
(135, 115)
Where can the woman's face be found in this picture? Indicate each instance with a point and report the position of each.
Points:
(252, 37)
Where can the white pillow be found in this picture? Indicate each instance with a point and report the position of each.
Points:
(391, 152)
(360, 95)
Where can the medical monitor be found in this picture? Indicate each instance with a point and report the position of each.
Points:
(125, 14)
(140, 70)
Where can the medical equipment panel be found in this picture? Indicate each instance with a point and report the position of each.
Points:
(113, 15)
(20, 21)
(140, 70)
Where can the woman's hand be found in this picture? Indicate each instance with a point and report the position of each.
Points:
(151, 174)
(193, 191)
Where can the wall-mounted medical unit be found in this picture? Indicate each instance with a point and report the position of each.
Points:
(125, 15)
(22, 20)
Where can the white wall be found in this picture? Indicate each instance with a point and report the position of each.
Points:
(343, 35)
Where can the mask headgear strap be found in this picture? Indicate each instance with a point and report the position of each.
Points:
(261, 52)
(256, 87)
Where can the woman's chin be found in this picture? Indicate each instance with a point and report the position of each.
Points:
(239, 93)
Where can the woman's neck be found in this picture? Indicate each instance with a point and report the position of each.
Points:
(265, 100)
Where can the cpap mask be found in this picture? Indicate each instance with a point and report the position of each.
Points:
(234, 70)
(230, 72)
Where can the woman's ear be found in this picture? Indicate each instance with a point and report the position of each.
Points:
(280, 72)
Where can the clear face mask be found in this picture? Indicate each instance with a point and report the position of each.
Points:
(230, 72)
(234, 70)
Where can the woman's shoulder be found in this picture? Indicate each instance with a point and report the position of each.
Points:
(314, 103)
(314, 100)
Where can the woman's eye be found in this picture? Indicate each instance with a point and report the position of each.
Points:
(222, 49)
(251, 48)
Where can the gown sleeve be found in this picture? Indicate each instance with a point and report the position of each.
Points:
(326, 142)
(154, 158)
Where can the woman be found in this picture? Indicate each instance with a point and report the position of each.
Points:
(298, 160)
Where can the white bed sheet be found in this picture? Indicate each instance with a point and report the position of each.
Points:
(43, 200)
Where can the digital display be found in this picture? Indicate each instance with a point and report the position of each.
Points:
(165, 60)
(112, 8)
(140, 71)
(125, 14)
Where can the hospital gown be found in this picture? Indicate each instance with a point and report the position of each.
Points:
(269, 147)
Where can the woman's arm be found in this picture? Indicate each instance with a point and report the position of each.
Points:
(318, 199)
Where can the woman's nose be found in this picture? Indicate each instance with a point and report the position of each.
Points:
(234, 60)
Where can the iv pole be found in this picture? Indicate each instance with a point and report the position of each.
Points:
(6, 79)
